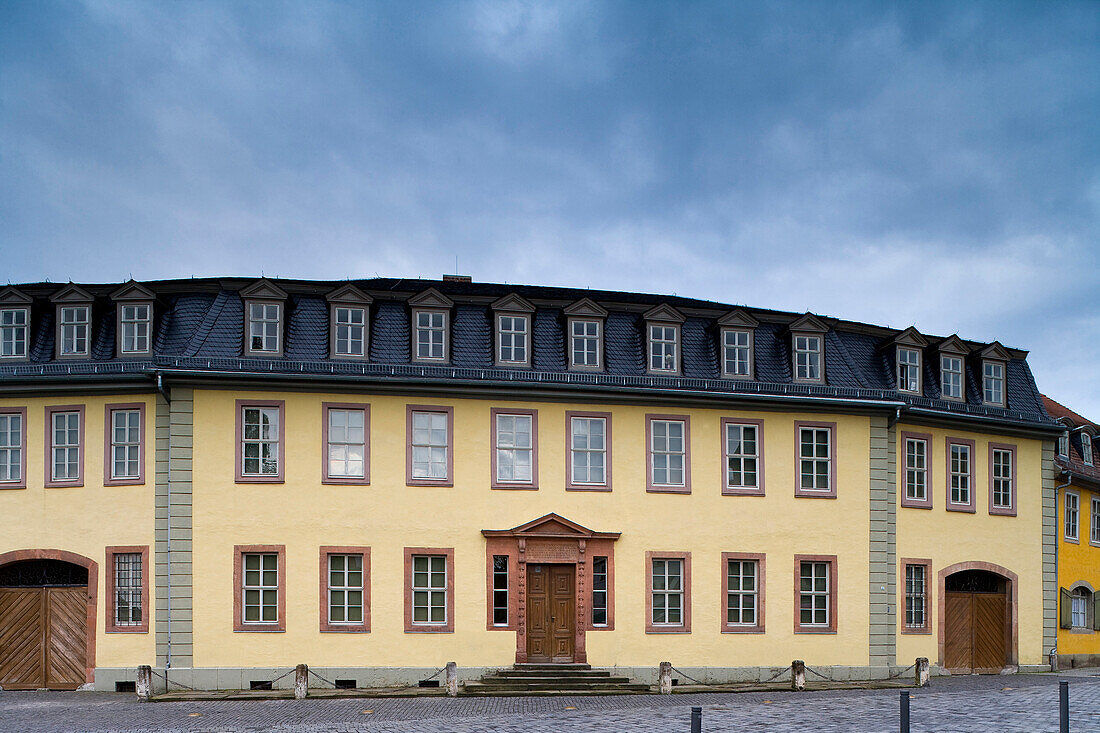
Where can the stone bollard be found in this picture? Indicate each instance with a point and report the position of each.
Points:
(798, 675)
(144, 684)
(922, 671)
(452, 679)
(664, 678)
(301, 681)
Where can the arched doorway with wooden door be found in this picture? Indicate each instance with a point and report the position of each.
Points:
(47, 619)
(978, 626)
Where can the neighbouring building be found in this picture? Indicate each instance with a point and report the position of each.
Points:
(1078, 474)
(225, 477)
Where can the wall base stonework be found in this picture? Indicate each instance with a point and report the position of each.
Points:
(1072, 661)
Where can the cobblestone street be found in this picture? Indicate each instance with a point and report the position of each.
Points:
(1024, 704)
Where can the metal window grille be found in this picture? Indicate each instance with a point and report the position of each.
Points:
(916, 596)
(128, 610)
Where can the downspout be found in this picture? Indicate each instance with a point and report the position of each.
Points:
(163, 390)
(1054, 650)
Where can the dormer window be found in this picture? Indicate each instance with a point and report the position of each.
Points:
(264, 327)
(663, 340)
(73, 334)
(584, 328)
(15, 320)
(1086, 448)
(349, 329)
(807, 349)
(513, 331)
(431, 311)
(736, 344)
(951, 372)
(1063, 445)
(134, 323)
(908, 370)
(993, 382)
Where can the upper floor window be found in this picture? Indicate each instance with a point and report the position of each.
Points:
(1094, 536)
(951, 374)
(66, 441)
(664, 342)
(816, 460)
(351, 331)
(75, 325)
(1002, 479)
(260, 441)
(736, 353)
(807, 358)
(264, 327)
(431, 335)
(589, 466)
(993, 382)
(125, 444)
(1071, 516)
(12, 448)
(916, 470)
(585, 337)
(668, 453)
(515, 457)
(429, 445)
(1086, 448)
(960, 475)
(908, 370)
(1063, 444)
(743, 452)
(13, 333)
(346, 443)
(136, 321)
(513, 340)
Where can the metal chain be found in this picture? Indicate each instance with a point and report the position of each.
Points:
(895, 675)
(330, 682)
(434, 674)
(776, 676)
(685, 674)
(168, 682)
(814, 671)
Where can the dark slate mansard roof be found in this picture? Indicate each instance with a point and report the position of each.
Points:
(199, 326)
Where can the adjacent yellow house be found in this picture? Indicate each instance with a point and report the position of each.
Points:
(380, 476)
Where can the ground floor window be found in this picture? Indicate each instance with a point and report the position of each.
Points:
(500, 590)
(815, 610)
(599, 591)
(429, 589)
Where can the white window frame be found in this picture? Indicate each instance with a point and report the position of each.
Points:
(741, 456)
(501, 591)
(430, 445)
(1063, 445)
(741, 593)
(429, 592)
(130, 447)
(12, 472)
(1086, 448)
(262, 320)
(948, 374)
(431, 328)
(1001, 477)
(135, 330)
(731, 367)
(666, 450)
(15, 328)
(1071, 516)
(805, 357)
(347, 588)
(273, 443)
(342, 344)
(662, 347)
(665, 593)
(344, 444)
(994, 382)
(1094, 535)
(511, 449)
(261, 587)
(128, 569)
(587, 450)
(815, 460)
(819, 598)
(587, 338)
(600, 590)
(956, 475)
(511, 332)
(69, 448)
(909, 369)
(1079, 608)
(913, 471)
(74, 325)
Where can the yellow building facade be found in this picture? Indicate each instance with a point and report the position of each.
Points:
(381, 477)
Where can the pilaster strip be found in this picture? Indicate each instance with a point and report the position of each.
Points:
(882, 550)
(1050, 549)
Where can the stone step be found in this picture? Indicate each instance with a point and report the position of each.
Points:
(587, 673)
(567, 665)
(553, 679)
(553, 693)
(476, 688)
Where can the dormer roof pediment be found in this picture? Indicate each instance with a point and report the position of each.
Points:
(71, 294)
(664, 313)
(738, 317)
(349, 294)
(953, 345)
(12, 296)
(909, 337)
(133, 291)
(263, 289)
(586, 307)
(995, 351)
(513, 302)
(550, 525)
(431, 298)
(808, 323)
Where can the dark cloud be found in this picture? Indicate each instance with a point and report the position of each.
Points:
(935, 164)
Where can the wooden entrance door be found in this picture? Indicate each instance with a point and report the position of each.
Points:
(975, 632)
(551, 617)
(43, 638)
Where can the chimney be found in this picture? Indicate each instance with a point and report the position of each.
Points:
(457, 279)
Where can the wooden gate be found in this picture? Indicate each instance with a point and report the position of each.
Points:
(975, 632)
(551, 621)
(43, 638)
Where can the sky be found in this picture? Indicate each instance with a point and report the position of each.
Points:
(925, 164)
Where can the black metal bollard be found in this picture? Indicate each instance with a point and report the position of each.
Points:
(697, 720)
(905, 711)
(1063, 706)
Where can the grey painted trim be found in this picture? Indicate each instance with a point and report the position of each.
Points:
(882, 551)
(1051, 527)
(173, 533)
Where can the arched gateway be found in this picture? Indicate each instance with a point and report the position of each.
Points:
(47, 619)
(978, 628)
